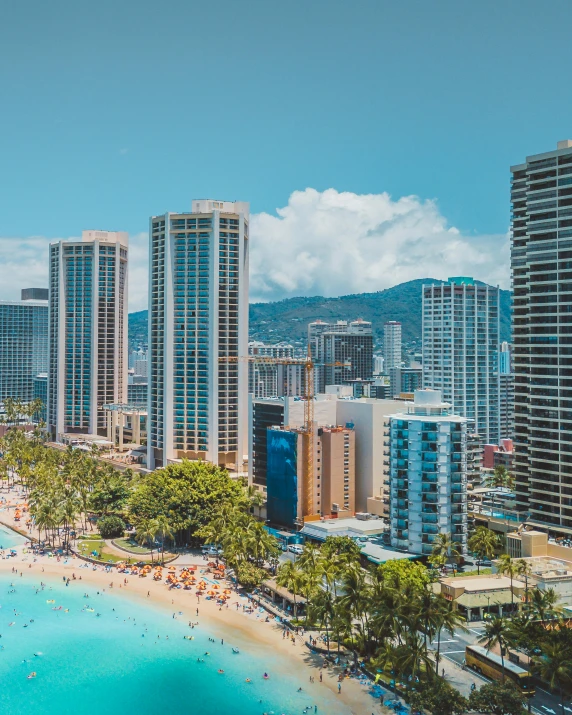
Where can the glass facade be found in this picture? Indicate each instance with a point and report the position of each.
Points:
(541, 261)
(461, 351)
(23, 347)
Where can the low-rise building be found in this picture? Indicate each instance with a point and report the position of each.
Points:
(475, 596)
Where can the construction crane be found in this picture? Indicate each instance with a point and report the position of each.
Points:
(308, 397)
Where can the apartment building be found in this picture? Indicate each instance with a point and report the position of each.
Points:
(198, 328)
(460, 350)
(87, 365)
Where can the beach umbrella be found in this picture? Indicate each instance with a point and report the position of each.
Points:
(211, 593)
(172, 568)
(227, 590)
(216, 585)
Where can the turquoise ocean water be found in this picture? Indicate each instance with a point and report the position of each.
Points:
(9, 538)
(114, 663)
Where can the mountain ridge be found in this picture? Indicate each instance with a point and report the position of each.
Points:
(287, 319)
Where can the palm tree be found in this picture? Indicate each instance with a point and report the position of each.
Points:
(497, 632)
(324, 611)
(447, 619)
(555, 668)
(444, 548)
(507, 567)
(483, 544)
(544, 604)
(163, 528)
(257, 500)
(146, 532)
(524, 569)
(290, 576)
(500, 478)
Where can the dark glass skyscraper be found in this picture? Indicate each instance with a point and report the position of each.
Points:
(541, 258)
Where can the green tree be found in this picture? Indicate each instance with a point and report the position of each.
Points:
(497, 698)
(111, 527)
(398, 573)
(146, 532)
(249, 575)
(446, 619)
(291, 576)
(524, 570)
(497, 633)
(544, 605)
(444, 549)
(342, 546)
(483, 544)
(438, 696)
(507, 567)
(555, 668)
(324, 611)
(189, 495)
(164, 528)
(110, 492)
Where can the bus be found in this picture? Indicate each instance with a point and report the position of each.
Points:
(490, 665)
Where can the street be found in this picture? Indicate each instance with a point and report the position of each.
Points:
(453, 649)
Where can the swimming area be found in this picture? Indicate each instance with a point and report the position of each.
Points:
(134, 657)
(9, 539)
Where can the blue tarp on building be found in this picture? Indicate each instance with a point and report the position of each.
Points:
(282, 477)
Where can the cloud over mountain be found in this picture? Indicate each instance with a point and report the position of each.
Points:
(322, 243)
(331, 243)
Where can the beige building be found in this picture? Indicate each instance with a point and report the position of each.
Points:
(475, 596)
(338, 469)
(331, 493)
(550, 562)
(87, 337)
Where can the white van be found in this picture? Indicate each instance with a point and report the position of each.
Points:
(295, 549)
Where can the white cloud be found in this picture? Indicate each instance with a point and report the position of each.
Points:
(331, 243)
(321, 243)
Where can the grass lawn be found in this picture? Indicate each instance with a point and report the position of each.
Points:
(132, 546)
(483, 572)
(86, 546)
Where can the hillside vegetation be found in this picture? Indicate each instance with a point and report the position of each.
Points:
(286, 320)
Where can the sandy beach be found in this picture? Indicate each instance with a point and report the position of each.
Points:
(231, 623)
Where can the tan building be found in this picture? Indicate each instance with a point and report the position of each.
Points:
(550, 562)
(475, 596)
(291, 499)
(338, 469)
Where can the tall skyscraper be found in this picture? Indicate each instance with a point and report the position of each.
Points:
(341, 352)
(267, 379)
(87, 331)
(541, 258)
(198, 320)
(23, 345)
(391, 345)
(428, 474)
(460, 350)
(506, 406)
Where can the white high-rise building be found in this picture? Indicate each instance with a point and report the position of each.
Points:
(87, 331)
(460, 350)
(428, 474)
(23, 344)
(391, 345)
(198, 328)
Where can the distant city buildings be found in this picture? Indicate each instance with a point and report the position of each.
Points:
(198, 330)
(391, 345)
(267, 377)
(499, 455)
(87, 331)
(460, 350)
(23, 344)
(341, 352)
(428, 474)
(506, 412)
(541, 261)
(405, 380)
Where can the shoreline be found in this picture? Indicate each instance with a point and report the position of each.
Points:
(231, 622)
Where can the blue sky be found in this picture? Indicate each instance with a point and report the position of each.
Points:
(113, 111)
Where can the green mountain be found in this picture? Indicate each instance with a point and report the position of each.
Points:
(287, 320)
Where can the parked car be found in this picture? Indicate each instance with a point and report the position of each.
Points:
(295, 549)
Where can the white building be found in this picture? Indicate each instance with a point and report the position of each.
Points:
(23, 345)
(87, 331)
(428, 474)
(460, 350)
(391, 345)
(274, 379)
(198, 328)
